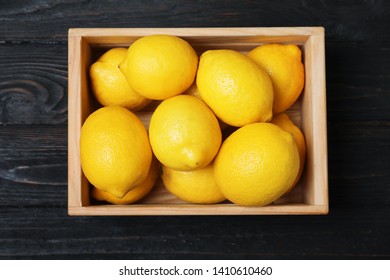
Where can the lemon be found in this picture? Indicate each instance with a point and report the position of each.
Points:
(114, 150)
(193, 91)
(256, 164)
(284, 122)
(110, 86)
(234, 87)
(184, 133)
(135, 194)
(195, 186)
(160, 66)
(284, 65)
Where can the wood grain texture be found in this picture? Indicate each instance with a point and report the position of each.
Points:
(48, 20)
(49, 236)
(33, 141)
(33, 84)
(33, 166)
(358, 84)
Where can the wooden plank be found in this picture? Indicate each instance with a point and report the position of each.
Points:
(33, 166)
(193, 209)
(358, 84)
(49, 233)
(33, 84)
(78, 112)
(314, 122)
(48, 20)
(359, 165)
(242, 39)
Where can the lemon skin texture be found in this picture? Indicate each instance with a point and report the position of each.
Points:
(110, 86)
(234, 87)
(284, 122)
(196, 186)
(135, 194)
(115, 151)
(160, 66)
(184, 133)
(257, 164)
(284, 65)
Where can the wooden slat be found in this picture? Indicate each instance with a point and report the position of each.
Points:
(187, 209)
(33, 84)
(33, 166)
(50, 20)
(50, 233)
(314, 122)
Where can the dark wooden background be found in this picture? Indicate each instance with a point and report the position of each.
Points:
(33, 137)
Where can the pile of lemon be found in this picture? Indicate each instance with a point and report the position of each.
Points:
(218, 134)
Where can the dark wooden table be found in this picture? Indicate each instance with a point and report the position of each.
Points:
(33, 137)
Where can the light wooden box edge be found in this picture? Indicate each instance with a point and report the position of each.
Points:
(75, 195)
(188, 210)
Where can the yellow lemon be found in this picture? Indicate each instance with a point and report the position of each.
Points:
(110, 86)
(234, 87)
(256, 164)
(283, 121)
(160, 66)
(196, 186)
(193, 91)
(139, 191)
(184, 133)
(284, 65)
(114, 150)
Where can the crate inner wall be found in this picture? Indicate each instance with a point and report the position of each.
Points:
(91, 47)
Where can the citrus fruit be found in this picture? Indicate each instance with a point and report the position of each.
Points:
(284, 65)
(195, 186)
(184, 133)
(234, 87)
(256, 164)
(110, 86)
(135, 194)
(114, 150)
(160, 66)
(284, 122)
(193, 91)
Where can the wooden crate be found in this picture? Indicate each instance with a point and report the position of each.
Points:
(310, 196)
